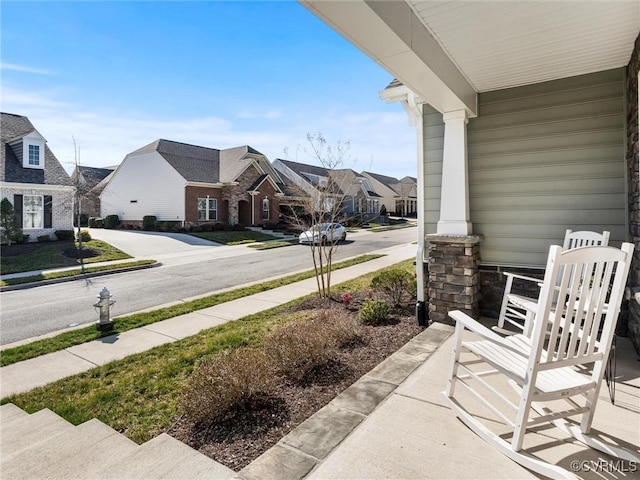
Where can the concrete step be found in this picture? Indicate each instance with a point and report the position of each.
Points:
(9, 413)
(164, 457)
(76, 453)
(29, 431)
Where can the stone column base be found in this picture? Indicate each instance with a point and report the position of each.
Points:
(454, 279)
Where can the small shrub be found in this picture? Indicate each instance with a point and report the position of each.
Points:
(227, 227)
(218, 227)
(346, 298)
(85, 236)
(238, 227)
(297, 348)
(396, 283)
(373, 312)
(64, 235)
(225, 384)
(96, 222)
(111, 221)
(149, 222)
(207, 227)
(343, 328)
(21, 238)
(161, 227)
(10, 230)
(195, 228)
(84, 220)
(44, 238)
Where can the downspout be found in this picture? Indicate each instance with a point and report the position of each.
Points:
(414, 110)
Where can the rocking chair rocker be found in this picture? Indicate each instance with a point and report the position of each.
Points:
(580, 301)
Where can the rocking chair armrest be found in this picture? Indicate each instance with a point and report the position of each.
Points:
(522, 277)
(475, 326)
(487, 334)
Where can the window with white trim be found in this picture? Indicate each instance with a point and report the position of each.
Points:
(265, 209)
(34, 155)
(33, 212)
(207, 209)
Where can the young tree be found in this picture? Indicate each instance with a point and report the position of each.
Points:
(9, 226)
(324, 206)
(77, 198)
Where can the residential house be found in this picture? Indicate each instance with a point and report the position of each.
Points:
(353, 192)
(33, 180)
(398, 196)
(189, 185)
(90, 182)
(527, 119)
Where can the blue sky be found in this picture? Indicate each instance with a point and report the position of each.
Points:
(118, 75)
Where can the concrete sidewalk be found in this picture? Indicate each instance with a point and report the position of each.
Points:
(24, 376)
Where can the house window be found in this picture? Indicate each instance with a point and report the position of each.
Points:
(33, 211)
(265, 209)
(207, 209)
(34, 155)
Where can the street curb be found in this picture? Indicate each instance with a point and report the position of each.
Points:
(39, 283)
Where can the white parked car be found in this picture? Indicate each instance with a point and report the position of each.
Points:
(324, 233)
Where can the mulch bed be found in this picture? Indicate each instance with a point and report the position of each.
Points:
(237, 441)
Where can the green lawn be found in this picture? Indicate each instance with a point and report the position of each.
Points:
(235, 238)
(139, 395)
(74, 272)
(51, 255)
(122, 324)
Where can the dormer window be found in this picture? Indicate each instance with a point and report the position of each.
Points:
(31, 149)
(34, 155)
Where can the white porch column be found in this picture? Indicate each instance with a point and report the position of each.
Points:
(454, 199)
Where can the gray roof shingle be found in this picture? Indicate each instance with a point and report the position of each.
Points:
(195, 164)
(13, 127)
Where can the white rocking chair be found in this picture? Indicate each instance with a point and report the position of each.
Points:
(549, 365)
(517, 310)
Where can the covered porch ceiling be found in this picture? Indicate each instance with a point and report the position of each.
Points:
(448, 51)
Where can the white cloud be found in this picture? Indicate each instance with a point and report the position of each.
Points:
(268, 115)
(380, 142)
(25, 69)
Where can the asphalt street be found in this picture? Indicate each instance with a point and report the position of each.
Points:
(188, 270)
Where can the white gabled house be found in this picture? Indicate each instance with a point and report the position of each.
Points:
(190, 185)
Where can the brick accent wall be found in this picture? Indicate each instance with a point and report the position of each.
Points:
(62, 208)
(192, 194)
(454, 280)
(237, 193)
(633, 169)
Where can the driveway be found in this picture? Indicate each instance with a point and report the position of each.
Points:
(149, 244)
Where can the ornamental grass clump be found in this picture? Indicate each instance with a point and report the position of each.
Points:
(296, 349)
(226, 384)
(396, 283)
(374, 312)
(342, 327)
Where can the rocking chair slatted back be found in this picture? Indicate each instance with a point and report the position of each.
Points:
(583, 304)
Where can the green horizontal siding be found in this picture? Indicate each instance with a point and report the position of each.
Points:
(543, 158)
(433, 129)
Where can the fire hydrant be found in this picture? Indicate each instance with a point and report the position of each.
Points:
(103, 305)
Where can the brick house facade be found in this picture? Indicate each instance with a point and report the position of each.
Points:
(193, 185)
